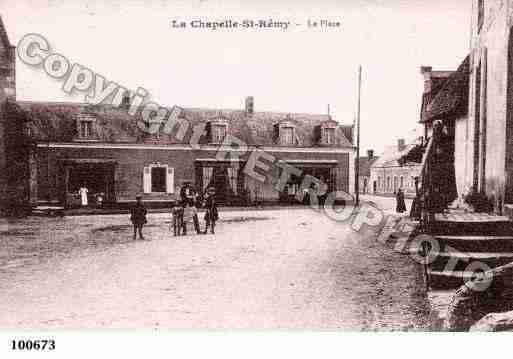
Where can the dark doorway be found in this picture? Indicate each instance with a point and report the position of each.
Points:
(158, 179)
(324, 174)
(98, 178)
(226, 178)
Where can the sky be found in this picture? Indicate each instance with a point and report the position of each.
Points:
(299, 70)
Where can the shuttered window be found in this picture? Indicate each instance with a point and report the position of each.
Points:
(147, 180)
(158, 179)
(170, 180)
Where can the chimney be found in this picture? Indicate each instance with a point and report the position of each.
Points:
(400, 144)
(427, 71)
(249, 105)
(370, 154)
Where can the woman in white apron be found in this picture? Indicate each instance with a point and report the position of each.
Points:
(83, 195)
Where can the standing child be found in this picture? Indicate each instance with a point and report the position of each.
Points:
(138, 217)
(189, 198)
(211, 214)
(177, 212)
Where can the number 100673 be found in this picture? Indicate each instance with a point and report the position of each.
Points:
(36, 344)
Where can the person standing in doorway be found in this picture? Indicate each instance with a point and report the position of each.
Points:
(138, 217)
(83, 195)
(401, 205)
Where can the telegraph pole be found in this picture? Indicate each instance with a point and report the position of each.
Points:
(357, 166)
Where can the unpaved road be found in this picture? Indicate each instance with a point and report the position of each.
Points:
(279, 269)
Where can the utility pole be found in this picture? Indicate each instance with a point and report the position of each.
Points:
(357, 167)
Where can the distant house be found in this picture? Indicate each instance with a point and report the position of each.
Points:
(364, 164)
(397, 167)
(63, 146)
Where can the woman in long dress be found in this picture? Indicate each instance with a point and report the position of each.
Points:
(401, 205)
(83, 195)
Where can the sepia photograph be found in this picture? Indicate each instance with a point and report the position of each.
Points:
(203, 165)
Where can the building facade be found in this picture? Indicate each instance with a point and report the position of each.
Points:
(366, 186)
(247, 155)
(446, 99)
(13, 166)
(397, 168)
(105, 150)
(490, 125)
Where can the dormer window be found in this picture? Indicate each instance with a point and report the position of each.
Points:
(86, 127)
(218, 133)
(325, 133)
(217, 130)
(285, 133)
(329, 135)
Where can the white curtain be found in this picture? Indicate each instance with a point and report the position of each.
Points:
(146, 180)
(207, 176)
(232, 177)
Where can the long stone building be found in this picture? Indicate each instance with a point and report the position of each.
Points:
(397, 168)
(64, 146)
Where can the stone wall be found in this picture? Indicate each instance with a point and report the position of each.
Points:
(381, 174)
(492, 134)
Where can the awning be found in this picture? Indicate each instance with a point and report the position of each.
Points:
(88, 161)
(325, 162)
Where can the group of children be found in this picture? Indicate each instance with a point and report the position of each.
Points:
(186, 211)
(183, 212)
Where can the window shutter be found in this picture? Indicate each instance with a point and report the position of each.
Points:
(147, 180)
(276, 133)
(170, 180)
(208, 130)
(317, 134)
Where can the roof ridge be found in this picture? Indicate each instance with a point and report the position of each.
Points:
(75, 103)
(3, 32)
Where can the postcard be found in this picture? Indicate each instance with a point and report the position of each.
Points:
(218, 165)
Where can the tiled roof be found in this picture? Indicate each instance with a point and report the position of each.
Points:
(57, 122)
(3, 33)
(392, 157)
(452, 99)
